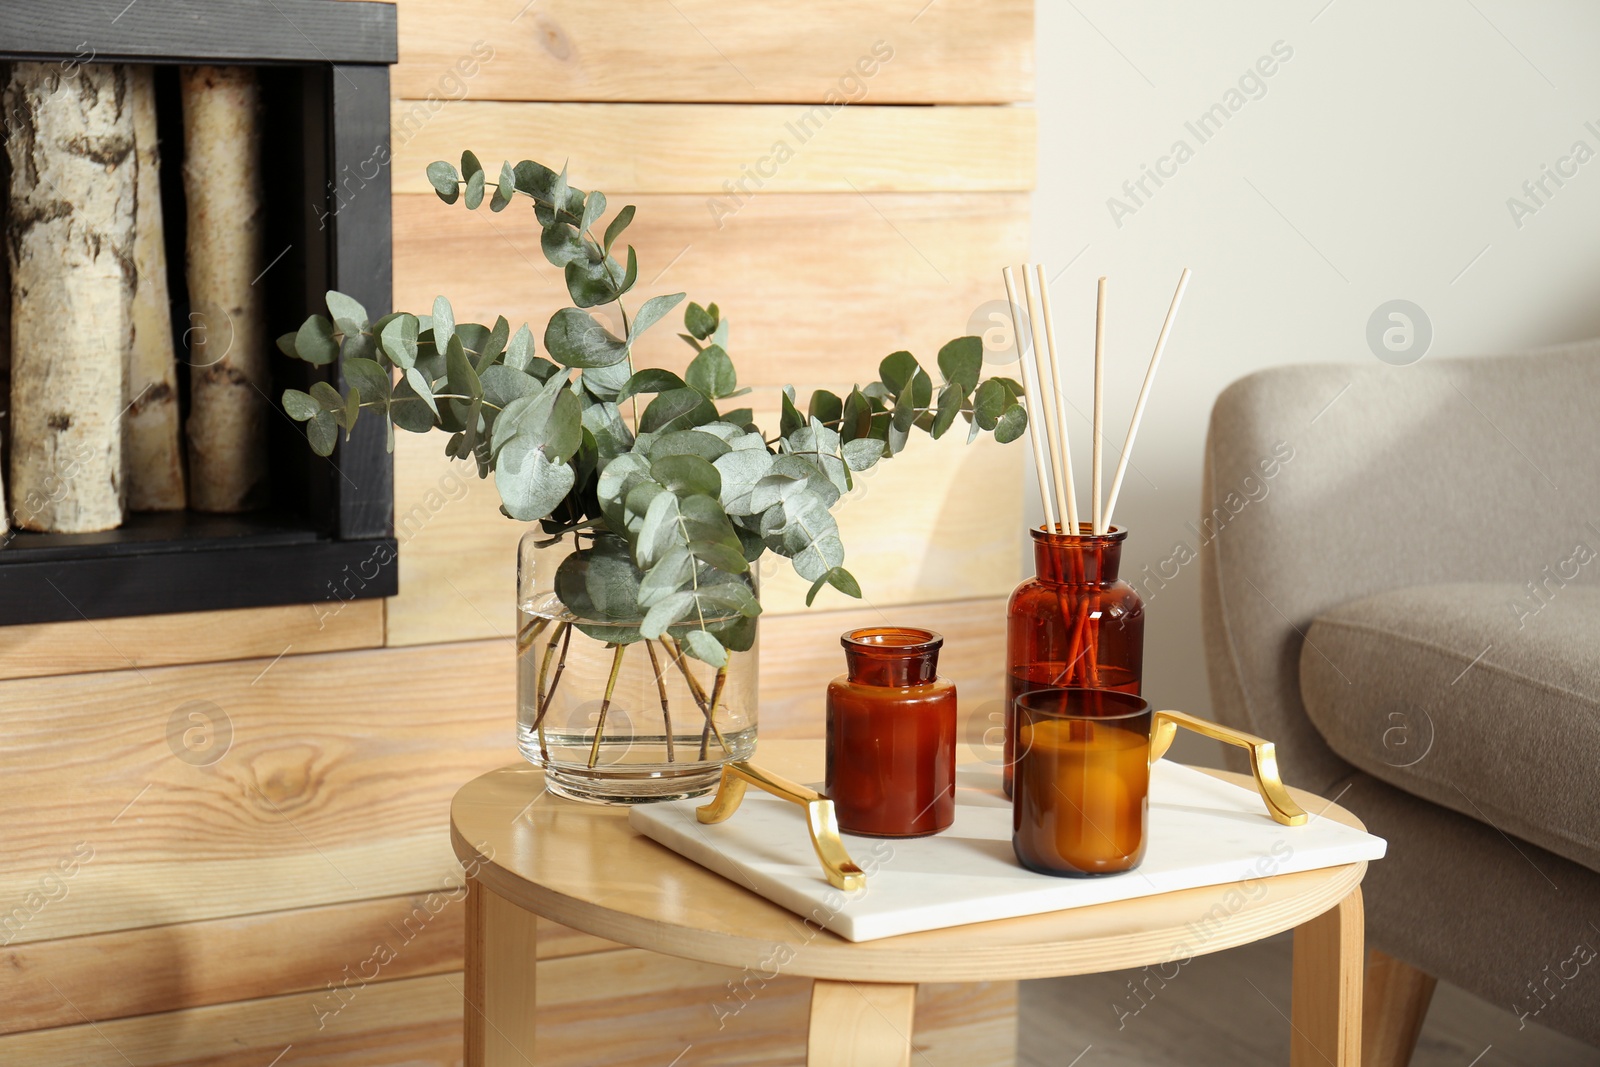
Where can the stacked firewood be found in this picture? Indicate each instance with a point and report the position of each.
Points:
(94, 429)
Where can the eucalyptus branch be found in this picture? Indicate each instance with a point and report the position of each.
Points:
(543, 415)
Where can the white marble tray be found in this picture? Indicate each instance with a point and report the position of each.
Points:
(1203, 831)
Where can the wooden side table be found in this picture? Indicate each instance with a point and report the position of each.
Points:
(528, 853)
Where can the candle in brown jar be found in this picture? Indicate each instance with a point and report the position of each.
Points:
(891, 749)
(1082, 781)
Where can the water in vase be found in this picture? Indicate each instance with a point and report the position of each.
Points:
(664, 732)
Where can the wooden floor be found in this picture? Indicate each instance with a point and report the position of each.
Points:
(1228, 1010)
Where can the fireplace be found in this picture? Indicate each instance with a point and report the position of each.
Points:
(324, 527)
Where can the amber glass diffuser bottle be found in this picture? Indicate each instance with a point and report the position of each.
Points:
(1075, 623)
(891, 750)
(1082, 781)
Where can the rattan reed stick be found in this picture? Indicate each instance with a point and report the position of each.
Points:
(1144, 396)
(1030, 387)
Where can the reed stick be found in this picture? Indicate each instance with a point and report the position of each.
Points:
(1049, 379)
(1144, 395)
(1063, 445)
(1099, 402)
(1030, 388)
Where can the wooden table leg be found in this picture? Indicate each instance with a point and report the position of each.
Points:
(1393, 1009)
(501, 953)
(860, 1024)
(1329, 956)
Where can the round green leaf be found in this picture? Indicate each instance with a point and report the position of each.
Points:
(323, 433)
(369, 377)
(677, 409)
(300, 406)
(399, 339)
(703, 646)
(314, 342)
(442, 176)
(712, 373)
(531, 485)
(347, 312)
(961, 361)
(649, 380)
(475, 186)
(519, 350)
(698, 321)
(686, 474)
(1013, 421)
(989, 403)
(575, 339)
(708, 447)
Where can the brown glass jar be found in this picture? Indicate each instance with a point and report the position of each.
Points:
(1075, 624)
(1082, 781)
(891, 749)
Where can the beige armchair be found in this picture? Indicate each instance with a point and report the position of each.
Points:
(1401, 585)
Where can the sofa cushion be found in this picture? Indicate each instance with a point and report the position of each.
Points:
(1481, 697)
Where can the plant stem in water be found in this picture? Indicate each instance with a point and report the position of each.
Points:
(540, 695)
(605, 704)
(529, 633)
(711, 716)
(676, 655)
(698, 693)
(661, 684)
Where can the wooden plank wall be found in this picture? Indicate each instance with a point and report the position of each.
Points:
(214, 822)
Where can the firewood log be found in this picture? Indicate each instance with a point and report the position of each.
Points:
(228, 369)
(71, 248)
(151, 446)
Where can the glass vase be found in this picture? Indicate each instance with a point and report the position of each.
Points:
(891, 747)
(611, 716)
(1074, 624)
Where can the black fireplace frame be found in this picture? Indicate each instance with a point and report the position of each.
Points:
(330, 534)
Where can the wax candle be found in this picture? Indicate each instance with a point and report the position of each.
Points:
(1082, 781)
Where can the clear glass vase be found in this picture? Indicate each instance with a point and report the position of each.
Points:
(611, 716)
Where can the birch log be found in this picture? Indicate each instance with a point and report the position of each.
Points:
(152, 454)
(71, 249)
(228, 372)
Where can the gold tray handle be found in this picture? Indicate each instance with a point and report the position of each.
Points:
(841, 870)
(1263, 759)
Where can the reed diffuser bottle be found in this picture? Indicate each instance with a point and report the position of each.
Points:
(1075, 624)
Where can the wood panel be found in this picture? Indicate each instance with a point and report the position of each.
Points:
(413, 1021)
(458, 554)
(708, 149)
(952, 51)
(334, 785)
(817, 288)
(800, 653)
(193, 637)
(927, 526)
(623, 1009)
(188, 965)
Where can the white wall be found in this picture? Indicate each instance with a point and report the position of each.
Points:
(1390, 140)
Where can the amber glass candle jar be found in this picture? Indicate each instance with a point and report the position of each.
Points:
(1074, 624)
(1082, 781)
(891, 746)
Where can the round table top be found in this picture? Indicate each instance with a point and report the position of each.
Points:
(584, 866)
